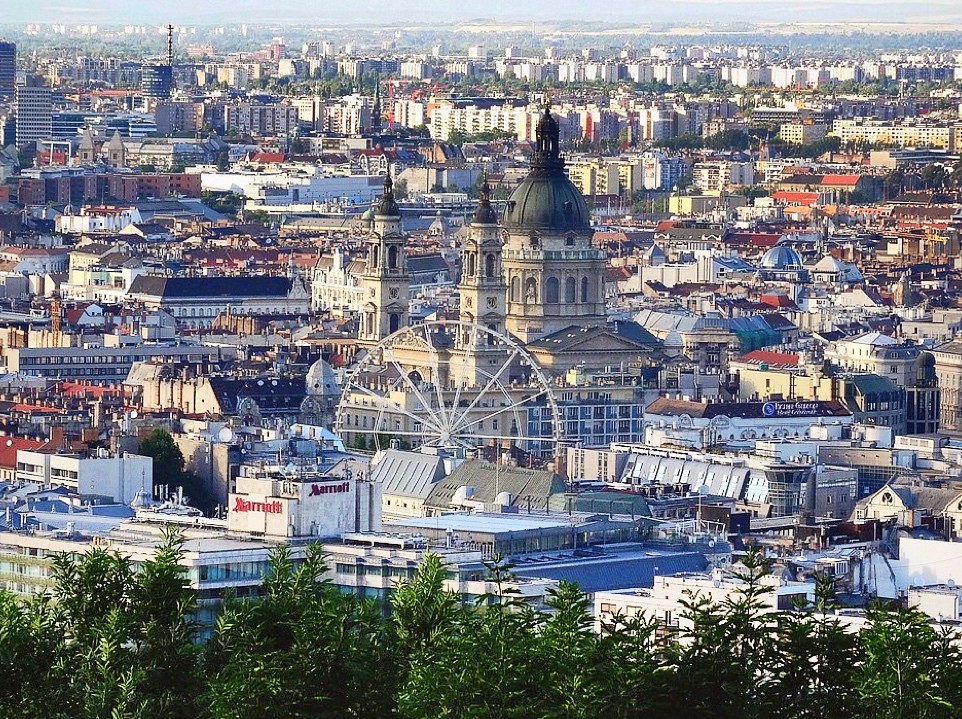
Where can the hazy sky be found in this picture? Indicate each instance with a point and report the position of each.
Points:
(418, 12)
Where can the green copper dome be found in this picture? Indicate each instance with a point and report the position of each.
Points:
(547, 200)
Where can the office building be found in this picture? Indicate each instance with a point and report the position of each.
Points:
(157, 81)
(8, 68)
(34, 114)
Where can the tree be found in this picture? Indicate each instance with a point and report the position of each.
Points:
(489, 664)
(720, 666)
(127, 638)
(303, 650)
(457, 137)
(815, 659)
(168, 459)
(908, 671)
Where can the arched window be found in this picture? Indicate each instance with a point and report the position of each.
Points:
(494, 328)
(392, 257)
(470, 268)
(489, 265)
(375, 256)
(570, 289)
(530, 291)
(515, 289)
(551, 290)
(394, 322)
(584, 289)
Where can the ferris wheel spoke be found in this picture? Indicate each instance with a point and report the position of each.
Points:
(491, 383)
(392, 405)
(515, 405)
(396, 433)
(464, 367)
(462, 376)
(437, 421)
(436, 381)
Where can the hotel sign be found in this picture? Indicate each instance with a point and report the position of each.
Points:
(339, 488)
(246, 505)
(791, 409)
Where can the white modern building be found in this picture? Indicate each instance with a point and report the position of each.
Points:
(119, 477)
(664, 602)
(291, 503)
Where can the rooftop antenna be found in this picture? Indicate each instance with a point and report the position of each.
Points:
(170, 46)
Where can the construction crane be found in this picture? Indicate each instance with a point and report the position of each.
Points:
(390, 102)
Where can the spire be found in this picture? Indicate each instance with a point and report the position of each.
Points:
(485, 214)
(547, 134)
(387, 207)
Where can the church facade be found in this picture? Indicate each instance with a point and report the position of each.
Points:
(532, 274)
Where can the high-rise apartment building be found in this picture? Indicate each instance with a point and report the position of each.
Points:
(34, 113)
(8, 68)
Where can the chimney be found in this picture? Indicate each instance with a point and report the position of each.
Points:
(57, 436)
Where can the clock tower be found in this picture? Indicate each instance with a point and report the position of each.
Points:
(385, 282)
(483, 289)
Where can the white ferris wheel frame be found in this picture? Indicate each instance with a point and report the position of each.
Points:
(448, 424)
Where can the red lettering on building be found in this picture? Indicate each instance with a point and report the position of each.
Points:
(339, 488)
(246, 505)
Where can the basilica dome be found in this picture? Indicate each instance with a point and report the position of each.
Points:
(546, 200)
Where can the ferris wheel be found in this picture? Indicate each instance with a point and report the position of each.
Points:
(449, 384)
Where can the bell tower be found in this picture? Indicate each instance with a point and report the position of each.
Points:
(483, 289)
(483, 292)
(385, 282)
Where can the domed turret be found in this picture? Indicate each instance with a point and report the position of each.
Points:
(387, 207)
(485, 214)
(781, 258)
(321, 380)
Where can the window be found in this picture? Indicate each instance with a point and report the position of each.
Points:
(489, 265)
(570, 289)
(551, 290)
(584, 289)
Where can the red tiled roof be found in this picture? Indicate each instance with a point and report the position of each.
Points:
(796, 198)
(9, 447)
(617, 274)
(78, 389)
(777, 300)
(841, 180)
(772, 359)
(268, 157)
(755, 239)
(23, 407)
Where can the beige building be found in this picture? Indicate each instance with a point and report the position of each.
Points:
(908, 505)
(803, 133)
(948, 368)
(708, 202)
(899, 133)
